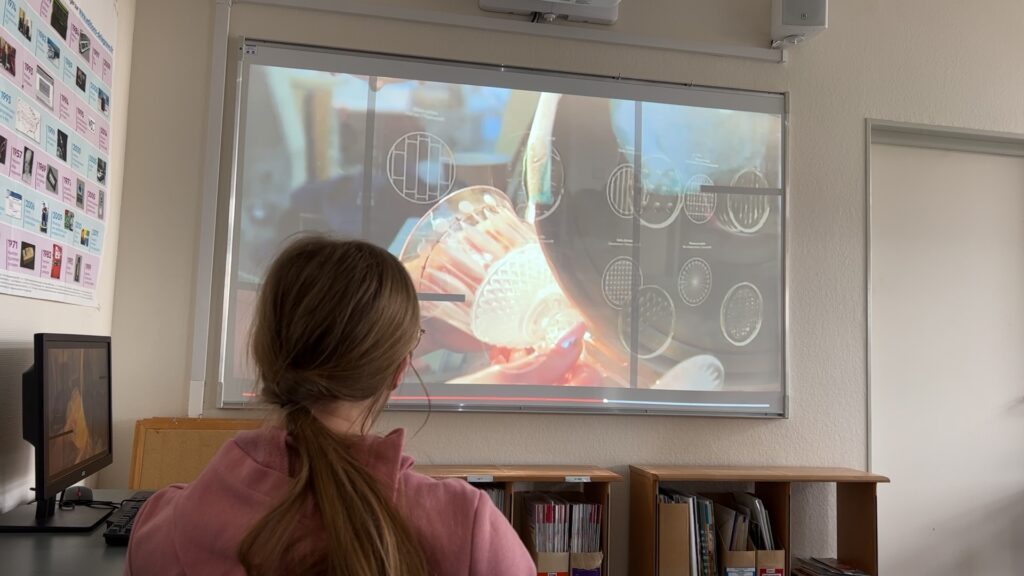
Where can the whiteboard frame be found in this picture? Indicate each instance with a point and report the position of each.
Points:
(298, 56)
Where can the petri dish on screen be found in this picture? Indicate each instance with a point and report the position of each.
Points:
(742, 314)
(695, 281)
(617, 281)
(418, 167)
(656, 326)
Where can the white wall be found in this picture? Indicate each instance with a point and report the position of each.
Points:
(20, 318)
(907, 60)
(947, 329)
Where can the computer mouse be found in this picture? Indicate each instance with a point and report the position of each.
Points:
(78, 495)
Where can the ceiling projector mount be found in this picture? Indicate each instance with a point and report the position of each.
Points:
(592, 11)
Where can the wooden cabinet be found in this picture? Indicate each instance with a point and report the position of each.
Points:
(856, 506)
(593, 483)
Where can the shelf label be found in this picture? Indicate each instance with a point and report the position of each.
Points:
(577, 478)
(477, 479)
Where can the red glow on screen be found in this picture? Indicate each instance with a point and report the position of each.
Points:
(497, 399)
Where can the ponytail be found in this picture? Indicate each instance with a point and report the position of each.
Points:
(365, 535)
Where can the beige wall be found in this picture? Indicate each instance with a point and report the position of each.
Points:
(20, 318)
(152, 324)
(907, 60)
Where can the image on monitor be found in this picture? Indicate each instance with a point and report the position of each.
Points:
(77, 407)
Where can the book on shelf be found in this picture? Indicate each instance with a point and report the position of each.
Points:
(708, 537)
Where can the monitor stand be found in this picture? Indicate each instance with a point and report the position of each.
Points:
(43, 516)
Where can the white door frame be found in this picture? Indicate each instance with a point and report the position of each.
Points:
(917, 136)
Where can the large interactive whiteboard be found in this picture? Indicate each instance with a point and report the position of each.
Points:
(579, 243)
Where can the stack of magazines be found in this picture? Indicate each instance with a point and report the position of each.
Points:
(563, 524)
(497, 495)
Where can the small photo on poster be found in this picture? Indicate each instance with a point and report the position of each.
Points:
(100, 204)
(69, 219)
(51, 179)
(59, 18)
(80, 79)
(28, 255)
(62, 145)
(8, 56)
(104, 103)
(24, 24)
(27, 163)
(84, 46)
(58, 256)
(85, 237)
(44, 87)
(92, 124)
(28, 120)
(44, 220)
(13, 205)
(78, 268)
(53, 52)
(80, 194)
(3, 150)
(101, 171)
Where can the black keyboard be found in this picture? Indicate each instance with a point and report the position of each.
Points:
(119, 525)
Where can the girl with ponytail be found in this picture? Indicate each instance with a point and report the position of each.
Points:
(333, 333)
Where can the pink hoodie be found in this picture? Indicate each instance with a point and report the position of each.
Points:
(190, 529)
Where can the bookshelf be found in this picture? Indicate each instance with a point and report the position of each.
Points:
(856, 506)
(593, 482)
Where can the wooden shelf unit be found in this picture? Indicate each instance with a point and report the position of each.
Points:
(856, 507)
(593, 482)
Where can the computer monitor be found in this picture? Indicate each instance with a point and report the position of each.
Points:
(66, 415)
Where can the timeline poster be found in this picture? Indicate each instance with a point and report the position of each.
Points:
(56, 72)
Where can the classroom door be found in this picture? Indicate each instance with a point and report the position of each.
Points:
(947, 360)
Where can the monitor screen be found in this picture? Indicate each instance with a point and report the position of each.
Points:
(77, 405)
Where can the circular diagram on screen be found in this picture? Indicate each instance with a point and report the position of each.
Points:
(699, 206)
(656, 322)
(421, 167)
(620, 190)
(747, 213)
(742, 314)
(662, 190)
(695, 281)
(617, 281)
(546, 206)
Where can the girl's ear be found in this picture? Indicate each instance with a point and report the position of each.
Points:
(401, 372)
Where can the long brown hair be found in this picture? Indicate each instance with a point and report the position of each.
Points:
(335, 321)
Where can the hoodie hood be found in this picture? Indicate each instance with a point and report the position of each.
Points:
(246, 478)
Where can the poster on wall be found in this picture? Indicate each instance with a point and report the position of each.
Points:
(56, 74)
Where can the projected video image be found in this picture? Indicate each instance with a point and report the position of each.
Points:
(556, 240)
(78, 407)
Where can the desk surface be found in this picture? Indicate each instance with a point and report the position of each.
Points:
(64, 554)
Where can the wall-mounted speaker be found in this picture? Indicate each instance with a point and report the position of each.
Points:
(796, 20)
